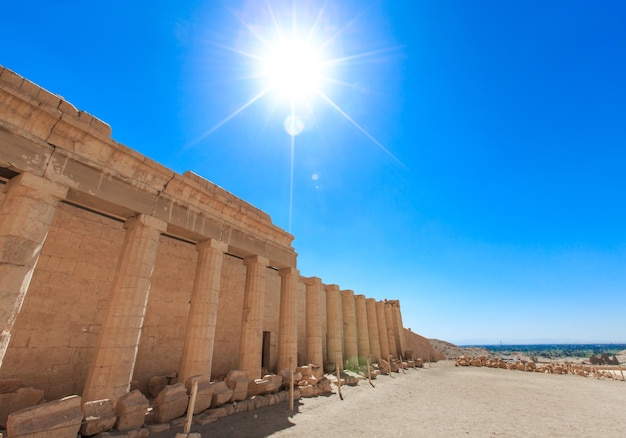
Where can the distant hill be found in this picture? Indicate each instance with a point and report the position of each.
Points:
(451, 351)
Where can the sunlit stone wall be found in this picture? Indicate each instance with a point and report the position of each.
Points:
(106, 257)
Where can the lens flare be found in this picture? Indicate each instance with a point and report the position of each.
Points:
(293, 125)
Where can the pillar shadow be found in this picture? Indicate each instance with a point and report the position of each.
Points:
(259, 423)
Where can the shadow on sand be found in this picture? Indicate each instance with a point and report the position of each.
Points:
(259, 423)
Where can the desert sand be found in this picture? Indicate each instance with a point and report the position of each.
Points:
(444, 401)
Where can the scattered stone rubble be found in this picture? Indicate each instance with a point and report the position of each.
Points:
(530, 366)
(25, 413)
(603, 360)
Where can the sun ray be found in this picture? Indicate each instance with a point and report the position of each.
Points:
(360, 128)
(232, 115)
(274, 20)
(344, 28)
(238, 51)
(317, 20)
(371, 53)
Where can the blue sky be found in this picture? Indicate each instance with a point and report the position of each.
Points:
(490, 195)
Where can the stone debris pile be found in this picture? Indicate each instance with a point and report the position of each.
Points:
(24, 412)
(548, 368)
(603, 360)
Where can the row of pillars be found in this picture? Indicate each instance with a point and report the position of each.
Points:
(26, 214)
(355, 328)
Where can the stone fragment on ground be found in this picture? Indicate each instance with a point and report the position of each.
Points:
(56, 419)
(131, 411)
(204, 393)
(221, 394)
(18, 400)
(157, 384)
(171, 403)
(238, 382)
(99, 416)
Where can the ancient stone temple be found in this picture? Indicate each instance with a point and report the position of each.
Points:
(115, 269)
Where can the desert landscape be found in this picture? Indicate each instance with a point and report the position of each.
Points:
(443, 400)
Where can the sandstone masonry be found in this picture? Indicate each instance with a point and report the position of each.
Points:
(115, 269)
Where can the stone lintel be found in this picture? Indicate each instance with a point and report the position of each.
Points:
(212, 243)
(112, 179)
(23, 155)
(257, 259)
(312, 281)
(332, 287)
(39, 184)
(148, 221)
(288, 271)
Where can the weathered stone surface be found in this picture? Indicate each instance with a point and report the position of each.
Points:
(215, 413)
(221, 394)
(99, 416)
(157, 384)
(204, 394)
(156, 428)
(203, 420)
(135, 433)
(271, 399)
(170, 403)
(16, 401)
(263, 386)
(229, 408)
(309, 391)
(131, 411)
(259, 401)
(286, 376)
(56, 419)
(324, 387)
(238, 382)
(9, 385)
(110, 179)
(275, 379)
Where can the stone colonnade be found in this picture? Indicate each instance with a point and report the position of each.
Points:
(66, 157)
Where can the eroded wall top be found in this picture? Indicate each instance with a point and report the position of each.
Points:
(41, 133)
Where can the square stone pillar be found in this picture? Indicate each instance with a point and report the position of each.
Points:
(350, 348)
(200, 335)
(382, 330)
(391, 331)
(113, 364)
(398, 328)
(314, 344)
(334, 318)
(363, 336)
(251, 345)
(372, 325)
(25, 217)
(288, 320)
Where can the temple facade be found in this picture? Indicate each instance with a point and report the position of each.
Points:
(114, 269)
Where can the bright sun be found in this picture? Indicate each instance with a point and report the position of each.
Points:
(293, 69)
(291, 52)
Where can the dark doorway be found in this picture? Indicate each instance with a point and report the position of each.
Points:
(265, 358)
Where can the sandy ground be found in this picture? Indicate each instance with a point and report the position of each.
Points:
(444, 401)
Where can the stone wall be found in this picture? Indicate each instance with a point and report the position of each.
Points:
(163, 331)
(57, 329)
(229, 316)
(115, 269)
